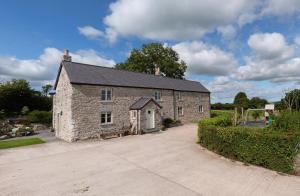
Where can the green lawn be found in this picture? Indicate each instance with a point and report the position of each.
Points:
(20, 142)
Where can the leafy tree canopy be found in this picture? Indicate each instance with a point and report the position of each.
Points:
(145, 59)
(241, 100)
(291, 100)
(46, 89)
(257, 102)
(16, 94)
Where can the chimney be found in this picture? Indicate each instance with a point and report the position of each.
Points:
(157, 70)
(66, 56)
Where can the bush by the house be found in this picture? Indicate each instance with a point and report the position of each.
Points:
(37, 116)
(169, 122)
(273, 150)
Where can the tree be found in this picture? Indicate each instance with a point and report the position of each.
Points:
(16, 94)
(241, 100)
(222, 106)
(292, 100)
(257, 102)
(155, 54)
(46, 89)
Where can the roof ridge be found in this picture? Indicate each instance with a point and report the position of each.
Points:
(122, 70)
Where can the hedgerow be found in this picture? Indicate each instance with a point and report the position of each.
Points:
(270, 148)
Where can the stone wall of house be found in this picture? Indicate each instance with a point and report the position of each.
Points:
(87, 107)
(62, 113)
(77, 108)
(190, 102)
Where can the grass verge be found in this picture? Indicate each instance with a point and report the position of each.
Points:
(20, 142)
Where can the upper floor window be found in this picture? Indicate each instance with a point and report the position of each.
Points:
(106, 94)
(179, 97)
(180, 111)
(106, 118)
(200, 108)
(157, 95)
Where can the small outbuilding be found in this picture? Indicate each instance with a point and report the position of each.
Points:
(145, 116)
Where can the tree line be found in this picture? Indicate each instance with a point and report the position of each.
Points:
(17, 95)
(241, 101)
(290, 101)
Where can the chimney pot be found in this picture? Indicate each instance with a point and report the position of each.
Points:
(157, 70)
(66, 56)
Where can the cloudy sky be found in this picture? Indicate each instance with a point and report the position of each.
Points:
(230, 45)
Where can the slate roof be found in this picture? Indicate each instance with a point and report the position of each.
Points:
(80, 73)
(142, 102)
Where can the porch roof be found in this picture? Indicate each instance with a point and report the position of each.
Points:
(142, 102)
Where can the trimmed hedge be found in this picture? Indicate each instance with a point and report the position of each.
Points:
(269, 147)
(273, 150)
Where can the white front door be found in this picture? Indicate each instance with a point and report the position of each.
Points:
(150, 124)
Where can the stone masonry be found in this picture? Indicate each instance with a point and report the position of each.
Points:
(77, 108)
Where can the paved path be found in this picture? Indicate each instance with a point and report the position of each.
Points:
(167, 163)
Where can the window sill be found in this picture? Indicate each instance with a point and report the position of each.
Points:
(106, 124)
(103, 101)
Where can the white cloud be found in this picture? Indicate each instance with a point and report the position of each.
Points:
(188, 19)
(272, 59)
(172, 20)
(228, 32)
(44, 68)
(280, 7)
(297, 40)
(91, 57)
(204, 59)
(269, 45)
(90, 32)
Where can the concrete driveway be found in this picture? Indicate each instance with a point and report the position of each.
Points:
(166, 163)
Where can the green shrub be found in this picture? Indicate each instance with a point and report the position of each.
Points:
(37, 116)
(255, 115)
(287, 121)
(263, 147)
(219, 118)
(167, 122)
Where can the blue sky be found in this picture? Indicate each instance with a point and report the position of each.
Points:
(250, 46)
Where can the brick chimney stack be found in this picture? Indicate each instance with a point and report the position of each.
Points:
(157, 70)
(66, 56)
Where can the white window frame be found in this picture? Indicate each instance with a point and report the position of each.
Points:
(106, 114)
(106, 94)
(155, 95)
(180, 114)
(179, 96)
(200, 109)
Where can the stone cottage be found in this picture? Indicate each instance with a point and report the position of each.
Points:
(93, 101)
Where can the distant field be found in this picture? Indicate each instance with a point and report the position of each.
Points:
(20, 142)
(250, 117)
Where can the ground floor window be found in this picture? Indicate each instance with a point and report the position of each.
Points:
(200, 108)
(180, 111)
(106, 117)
